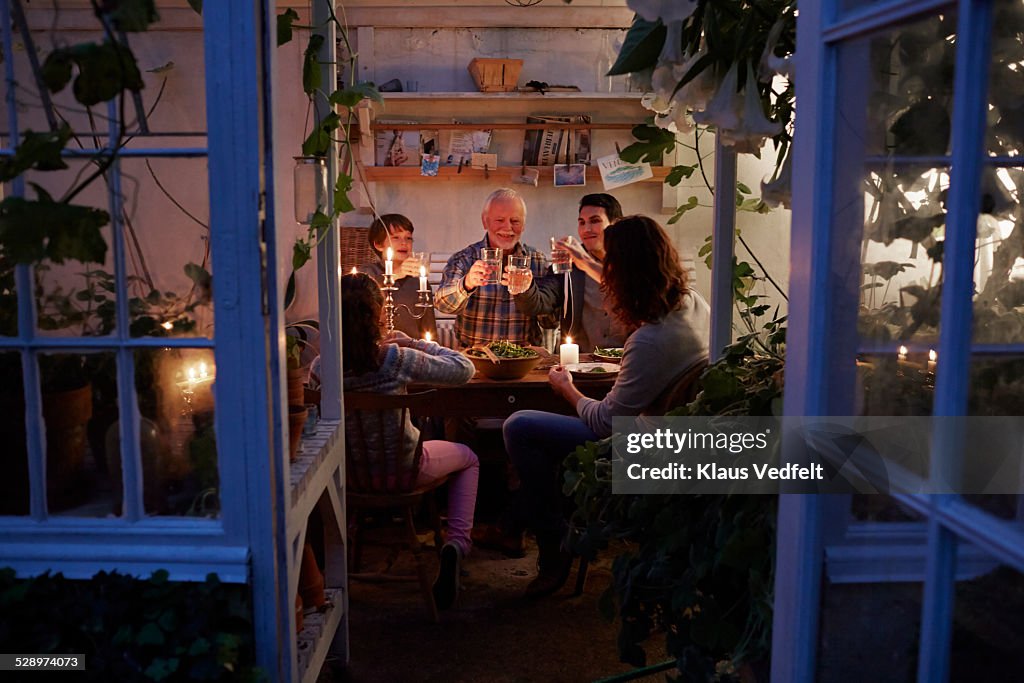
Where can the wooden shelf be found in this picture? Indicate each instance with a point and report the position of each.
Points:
(314, 640)
(451, 173)
(517, 96)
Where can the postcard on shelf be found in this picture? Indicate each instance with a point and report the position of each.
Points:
(570, 175)
(615, 172)
(553, 145)
(430, 164)
(463, 143)
(396, 147)
(480, 160)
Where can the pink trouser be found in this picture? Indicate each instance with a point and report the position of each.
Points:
(459, 462)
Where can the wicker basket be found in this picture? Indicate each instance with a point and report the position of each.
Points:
(495, 75)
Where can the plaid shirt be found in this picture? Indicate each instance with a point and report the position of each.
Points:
(488, 312)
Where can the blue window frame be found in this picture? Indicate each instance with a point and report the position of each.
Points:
(827, 335)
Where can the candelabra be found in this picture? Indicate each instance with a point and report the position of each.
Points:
(423, 303)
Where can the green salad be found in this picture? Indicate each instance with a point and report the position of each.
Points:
(504, 349)
(597, 369)
(607, 353)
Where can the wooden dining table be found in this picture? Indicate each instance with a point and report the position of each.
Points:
(483, 397)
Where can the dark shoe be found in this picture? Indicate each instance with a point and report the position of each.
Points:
(492, 538)
(555, 566)
(446, 586)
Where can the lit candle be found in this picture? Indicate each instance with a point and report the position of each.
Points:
(167, 325)
(423, 279)
(932, 359)
(902, 355)
(426, 336)
(354, 271)
(388, 265)
(569, 352)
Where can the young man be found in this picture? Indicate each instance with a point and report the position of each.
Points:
(486, 312)
(576, 297)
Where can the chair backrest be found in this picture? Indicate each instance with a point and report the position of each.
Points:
(445, 321)
(377, 458)
(355, 248)
(680, 391)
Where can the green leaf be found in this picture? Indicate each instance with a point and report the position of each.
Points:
(56, 71)
(33, 230)
(641, 47)
(342, 204)
(742, 188)
(150, 634)
(162, 668)
(104, 71)
(39, 151)
(134, 15)
(691, 203)
(311, 76)
(676, 175)
(350, 97)
(653, 143)
(301, 253)
(320, 223)
(284, 25)
(198, 275)
(318, 143)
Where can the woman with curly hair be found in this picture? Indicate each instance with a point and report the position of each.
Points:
(668, 326)
(388, 366)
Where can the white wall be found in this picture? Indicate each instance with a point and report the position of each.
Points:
(447, 213)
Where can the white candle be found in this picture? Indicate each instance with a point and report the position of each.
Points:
(423, 279)
(932, 359)
(569, 352)
(388, 265)
(902, 354)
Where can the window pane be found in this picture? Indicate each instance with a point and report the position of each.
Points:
(999, 259)
(74, 291)
(14, 486)
(168, 246)
(892, 142)
(988, 642)
(895, 384)
(179, 450)
(1006, 80)
(8, 298)
(79, 395)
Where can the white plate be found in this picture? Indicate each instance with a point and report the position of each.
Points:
(590, 370)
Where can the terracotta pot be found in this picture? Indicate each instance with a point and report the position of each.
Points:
(296, 420)
(296, 386)
(67, 415)
(311, 580)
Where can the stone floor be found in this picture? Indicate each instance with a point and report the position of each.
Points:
(492, 634)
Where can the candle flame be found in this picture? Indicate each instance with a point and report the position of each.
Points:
(390, 254)
(202, 369)
(903, 350)
(426, 336)
(932, 356)
(568, 340)
(191, 374)
(167, 325)
(354, 271)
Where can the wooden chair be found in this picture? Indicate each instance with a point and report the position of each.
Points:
(680, 391)
(379, 478)
(355, 248)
